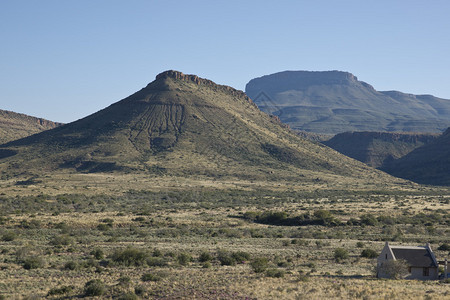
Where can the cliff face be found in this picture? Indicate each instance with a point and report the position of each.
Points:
(14, 126)
(333, 102)
(176, 75)
(378, 148)
(429, 164)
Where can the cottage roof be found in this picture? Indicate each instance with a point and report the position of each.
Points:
(415, 256)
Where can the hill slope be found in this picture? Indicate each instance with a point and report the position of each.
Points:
(334, 102)
(182, 125)
(14, 126)
(377, 148)
(429, 164)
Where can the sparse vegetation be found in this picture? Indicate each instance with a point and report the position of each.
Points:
(33, 262)
(94, 287)
(130, 257)
(369, 253)
(187, 190)
(444, 247)
(60, 290)
(191, 238)
(259, 264)
(395, 269)
(340, 254)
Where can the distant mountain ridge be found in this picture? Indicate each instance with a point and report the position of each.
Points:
(183, 125)
(429, 164)
(14, 126)
(378, 148)
(332, 102)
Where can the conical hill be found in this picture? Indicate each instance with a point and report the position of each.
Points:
(181, 125)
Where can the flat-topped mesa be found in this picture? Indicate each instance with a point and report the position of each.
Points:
(201, 81)
(311, 77)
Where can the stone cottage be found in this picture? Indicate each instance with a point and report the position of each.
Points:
(420, 260)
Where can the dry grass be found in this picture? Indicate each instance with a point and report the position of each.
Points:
(56, 183)
(308, 264)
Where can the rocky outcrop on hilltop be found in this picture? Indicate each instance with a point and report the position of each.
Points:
(201, 81)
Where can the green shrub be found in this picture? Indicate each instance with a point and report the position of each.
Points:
(61, 240)
(275, 273)
(340, 254)
(204, 257)
(386, 220)
(90, 263)
(311, 265)
(369, 253)
(3, 221)
(130, 257)
(444, 247)
(60, 290)
(33, 262)
(151, 277)
(107, 221)
(282, 263)
(63, 227)
(369, 220)
(94, 287)
(225, 258)
(157, 253)
(71, 265)
(128, 296)
(359, 244)
(303, 277)
(9, 236)
(240, 256)
(156, 262)
(140, 290)
(104, 227)
(273, 217)
(184, 259)
(251, 215)
(98, 253)
(124, 281)
(33, 224)
(324, 217)
(259, 264)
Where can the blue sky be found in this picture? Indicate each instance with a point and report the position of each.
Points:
(63, 60)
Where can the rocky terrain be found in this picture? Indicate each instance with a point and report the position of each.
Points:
(14, 126)
(334, 102)
(429, 164)
(378, 148)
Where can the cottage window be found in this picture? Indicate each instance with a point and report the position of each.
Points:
(386, 255)
(409, 269)
(426, 271)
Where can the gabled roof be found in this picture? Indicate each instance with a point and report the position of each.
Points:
(415, 256)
